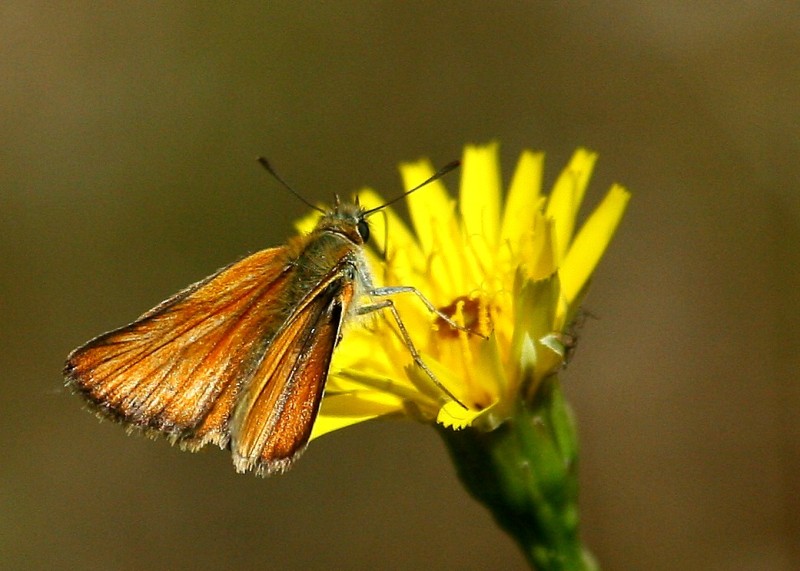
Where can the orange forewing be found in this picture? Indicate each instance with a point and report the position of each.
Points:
(178, 368)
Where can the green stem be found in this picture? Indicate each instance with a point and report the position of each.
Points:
(525, 473)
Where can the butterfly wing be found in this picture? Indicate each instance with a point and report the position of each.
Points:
(177, 370)
(277, 409)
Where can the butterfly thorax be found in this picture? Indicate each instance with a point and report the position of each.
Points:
(333, 248)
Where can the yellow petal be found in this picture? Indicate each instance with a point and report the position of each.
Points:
(542, 260)
(435, 222)
(453, 415)
(591, 242)
(425, 204)
(341, 411)
(567, 195)
(480, 192)
(523, 198)
(308, 222)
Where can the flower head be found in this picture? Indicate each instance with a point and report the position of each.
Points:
(511, 273)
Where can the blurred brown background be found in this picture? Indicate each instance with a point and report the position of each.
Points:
(127, 171)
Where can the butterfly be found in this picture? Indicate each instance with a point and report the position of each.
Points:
(240, 359)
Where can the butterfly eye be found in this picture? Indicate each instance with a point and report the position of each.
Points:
(363, 230)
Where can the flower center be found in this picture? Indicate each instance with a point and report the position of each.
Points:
(473, 313)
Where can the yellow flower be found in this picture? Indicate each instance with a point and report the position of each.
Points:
(513, 275)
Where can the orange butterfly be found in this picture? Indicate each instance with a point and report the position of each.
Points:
(240, 359)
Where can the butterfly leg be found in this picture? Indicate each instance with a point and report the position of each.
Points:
(394, 290)
(389, 304)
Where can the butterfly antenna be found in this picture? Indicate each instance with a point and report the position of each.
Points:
(436, 176)
(265, 163)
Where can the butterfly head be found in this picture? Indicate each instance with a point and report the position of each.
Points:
(347, 218)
